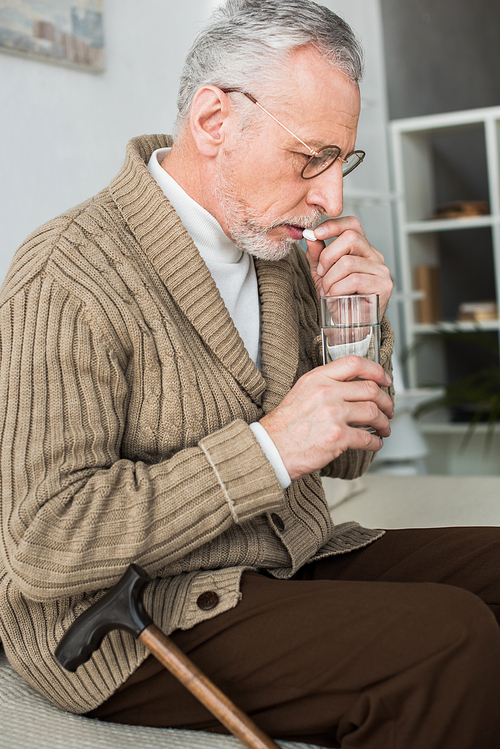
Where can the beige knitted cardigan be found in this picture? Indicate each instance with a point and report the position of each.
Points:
(126, 394)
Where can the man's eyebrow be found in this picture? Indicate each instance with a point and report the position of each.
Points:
(319, 144)
(315, 143)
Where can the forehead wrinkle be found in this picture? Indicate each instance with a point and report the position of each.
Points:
(285, 108)
(343, 140)
(309, 132)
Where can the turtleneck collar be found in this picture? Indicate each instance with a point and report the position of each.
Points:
(203, 228)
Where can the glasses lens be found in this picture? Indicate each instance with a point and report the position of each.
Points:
(318, 164)
(352, 161)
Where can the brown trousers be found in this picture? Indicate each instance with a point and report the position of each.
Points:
(394, 646)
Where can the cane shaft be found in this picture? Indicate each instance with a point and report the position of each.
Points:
(175, 661)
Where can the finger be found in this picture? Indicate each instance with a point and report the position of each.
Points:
(361, 439)
(349, 243)
(380, 425)
(367, 391)
(312, 258)
(368, 415)
(350, 253)
(330, 229)
(352, 367)
(335, 226)
(314, 250)
(353, 274)
(356, 283)
(348, 264)
(364, 416)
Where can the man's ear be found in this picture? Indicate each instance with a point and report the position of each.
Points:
(208, 119)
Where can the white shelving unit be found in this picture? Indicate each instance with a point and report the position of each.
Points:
(466, 251)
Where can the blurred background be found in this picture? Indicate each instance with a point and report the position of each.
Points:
(428, 194)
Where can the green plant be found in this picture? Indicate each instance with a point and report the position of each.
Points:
(477, 393)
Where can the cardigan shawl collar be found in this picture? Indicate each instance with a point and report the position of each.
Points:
(176, 260)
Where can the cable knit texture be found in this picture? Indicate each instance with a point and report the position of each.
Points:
(126, 397)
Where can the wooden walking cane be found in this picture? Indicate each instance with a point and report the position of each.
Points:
(122, 607)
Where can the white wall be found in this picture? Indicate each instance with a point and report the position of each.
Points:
(64, 132)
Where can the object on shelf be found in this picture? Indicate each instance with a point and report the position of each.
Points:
(427, 282)
(477, 311)
(462, 209)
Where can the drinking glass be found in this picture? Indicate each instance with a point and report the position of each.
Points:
(350, 325)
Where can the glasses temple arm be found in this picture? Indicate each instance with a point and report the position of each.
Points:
(254, 101)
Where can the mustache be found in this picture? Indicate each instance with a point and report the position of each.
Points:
(306, 222)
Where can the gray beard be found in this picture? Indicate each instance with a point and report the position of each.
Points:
(247, 232)
(255, 241)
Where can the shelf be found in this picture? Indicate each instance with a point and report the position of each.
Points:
(453, 427)
(439, 422)
(446, 262)
(451, 327)
(448, 224)
(409, 400)
(440, 122)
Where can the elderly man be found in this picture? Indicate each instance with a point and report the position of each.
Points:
(164, 402)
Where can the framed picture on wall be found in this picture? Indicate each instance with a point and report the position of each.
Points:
(68, 32)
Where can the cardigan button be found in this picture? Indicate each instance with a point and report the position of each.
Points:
(208, 600)
(278, 522)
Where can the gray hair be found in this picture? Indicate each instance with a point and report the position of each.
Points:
(245, 40)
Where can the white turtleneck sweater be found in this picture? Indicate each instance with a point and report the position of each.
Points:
(234, 274)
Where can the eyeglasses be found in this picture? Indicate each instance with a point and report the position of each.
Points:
(320, 160)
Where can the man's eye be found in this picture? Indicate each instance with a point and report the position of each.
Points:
(318, 163)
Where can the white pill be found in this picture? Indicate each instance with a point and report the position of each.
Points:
(309, 234)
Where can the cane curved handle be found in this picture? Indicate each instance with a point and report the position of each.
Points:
(121, 607)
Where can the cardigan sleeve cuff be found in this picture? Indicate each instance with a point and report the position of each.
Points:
(246, 479)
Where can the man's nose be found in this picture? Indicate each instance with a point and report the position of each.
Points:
(326, 191)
